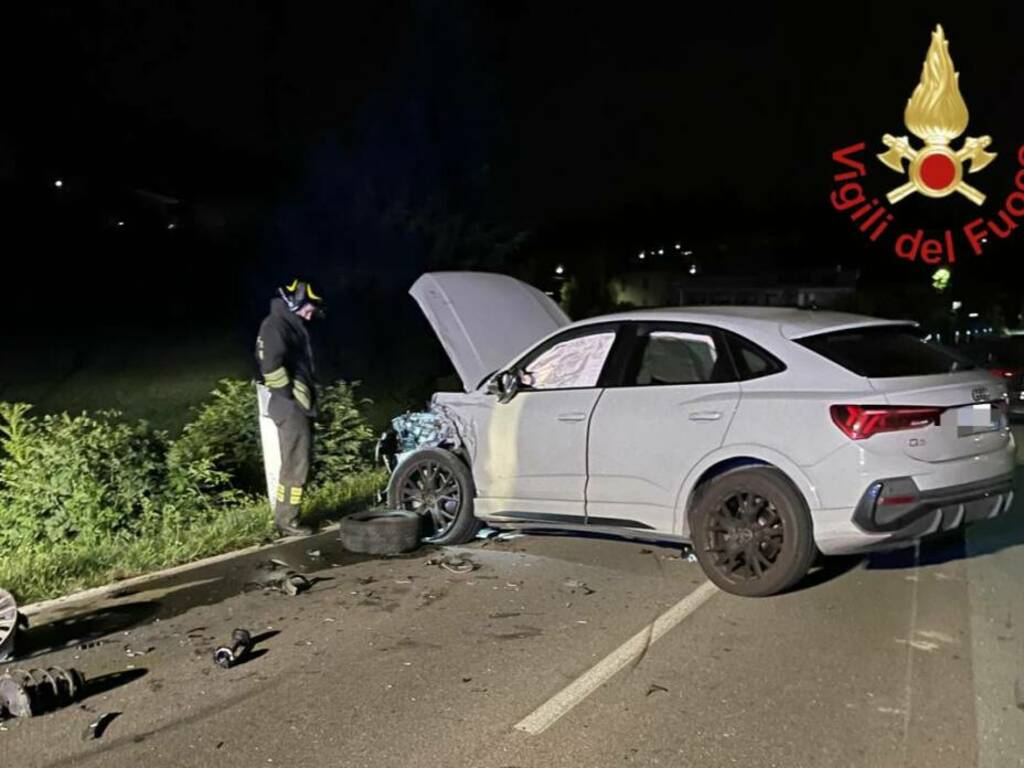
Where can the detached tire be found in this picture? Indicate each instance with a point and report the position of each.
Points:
(752, 533)
(436, 485)
(380, 532)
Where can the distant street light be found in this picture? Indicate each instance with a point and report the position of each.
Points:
(172, 225)
(120, 223)
(678, 246)
(687, 253)
(972, 315)
(58, 183)
(693, 269)
(559, 269)
(642, 256)
(661, 251)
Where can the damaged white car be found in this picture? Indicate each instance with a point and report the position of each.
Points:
(760, 435)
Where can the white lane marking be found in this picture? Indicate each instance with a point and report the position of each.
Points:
(562, 702)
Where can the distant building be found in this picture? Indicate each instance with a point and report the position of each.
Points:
(663, 288)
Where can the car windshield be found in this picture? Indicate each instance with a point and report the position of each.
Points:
(888, 351)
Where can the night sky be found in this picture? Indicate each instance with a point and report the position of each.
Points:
(361, 144)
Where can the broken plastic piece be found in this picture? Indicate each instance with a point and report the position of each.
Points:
(574, 584)
(96, 728)
(26, 693)
(453, 563)
(228, 656)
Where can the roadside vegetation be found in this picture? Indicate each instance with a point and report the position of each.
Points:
(92, 497)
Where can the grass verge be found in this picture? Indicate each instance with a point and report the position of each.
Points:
(39, 576)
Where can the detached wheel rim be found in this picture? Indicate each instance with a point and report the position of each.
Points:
(744, 537)
(432, 491)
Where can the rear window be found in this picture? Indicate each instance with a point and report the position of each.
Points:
(886, 352)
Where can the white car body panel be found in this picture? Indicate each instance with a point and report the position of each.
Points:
(637, 453)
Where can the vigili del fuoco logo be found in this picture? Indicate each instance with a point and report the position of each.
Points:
(937, 116)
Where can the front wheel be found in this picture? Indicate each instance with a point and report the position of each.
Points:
(437, 485)
(752, 533)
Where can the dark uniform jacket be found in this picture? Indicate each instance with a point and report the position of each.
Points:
(285, 357)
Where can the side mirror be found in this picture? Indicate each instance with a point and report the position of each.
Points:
(504, 384)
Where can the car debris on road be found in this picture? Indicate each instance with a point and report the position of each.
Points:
(97, 727)
(574, 585)
(453, 563)
(27, 693)
(241, 645)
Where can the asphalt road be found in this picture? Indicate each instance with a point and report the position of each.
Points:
(906, 659)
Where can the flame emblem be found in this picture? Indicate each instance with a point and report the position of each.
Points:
(936, 114)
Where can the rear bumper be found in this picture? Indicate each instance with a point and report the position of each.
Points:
(919, 513)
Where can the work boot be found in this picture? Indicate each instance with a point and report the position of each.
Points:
(286, 520)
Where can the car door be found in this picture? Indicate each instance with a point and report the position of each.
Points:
(675, 398)
(532, 463)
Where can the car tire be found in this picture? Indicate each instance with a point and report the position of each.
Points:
(437, 485)
(752, 532)
(380, 532)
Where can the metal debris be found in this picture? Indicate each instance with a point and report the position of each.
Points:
(486, 533)
(228, 656)
(453, 563)
(96, 728)
(575, 584)
(510, 535)
(25, 693)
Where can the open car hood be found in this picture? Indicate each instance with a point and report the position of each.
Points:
(483, 319)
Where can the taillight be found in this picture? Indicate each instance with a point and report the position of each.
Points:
(860, 422)
(1003, 373)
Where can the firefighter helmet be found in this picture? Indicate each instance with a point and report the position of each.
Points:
(299, 293)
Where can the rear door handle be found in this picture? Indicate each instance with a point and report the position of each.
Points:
(705, 416)
(572, 416)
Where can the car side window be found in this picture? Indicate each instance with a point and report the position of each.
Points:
(752, 362)
(681, 356)
(569, 364)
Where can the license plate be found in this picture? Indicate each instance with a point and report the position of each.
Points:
(975, 419)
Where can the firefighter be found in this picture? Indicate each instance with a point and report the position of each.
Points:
(285, 358)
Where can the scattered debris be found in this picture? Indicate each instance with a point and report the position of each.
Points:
(691, 558)
(510, 535)
(92, 644)
(646, 551)
(228, 656)
(1020, 692)
(453, 563)
(26, 693)
(575, 584)
(486, 533)
(314, 553)
(295, 583)
(133, 652)
(96, 728)
(655, 688)
(364, 580)
(10, 621)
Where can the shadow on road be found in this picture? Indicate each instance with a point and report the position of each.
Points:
(79, 629)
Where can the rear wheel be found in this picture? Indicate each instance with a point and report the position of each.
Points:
(437, 485)
(752, 532)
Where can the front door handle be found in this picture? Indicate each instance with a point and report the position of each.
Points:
(572, 416)
(705, 416)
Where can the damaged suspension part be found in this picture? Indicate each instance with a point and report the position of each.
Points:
(228, 656)
(26, 693)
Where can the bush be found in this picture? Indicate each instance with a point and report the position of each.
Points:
(76, 478)
(224, 438)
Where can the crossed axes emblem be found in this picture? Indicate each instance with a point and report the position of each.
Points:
(973, 150)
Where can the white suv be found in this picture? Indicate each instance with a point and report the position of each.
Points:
(758, 434)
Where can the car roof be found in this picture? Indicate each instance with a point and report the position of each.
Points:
(790, 322)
